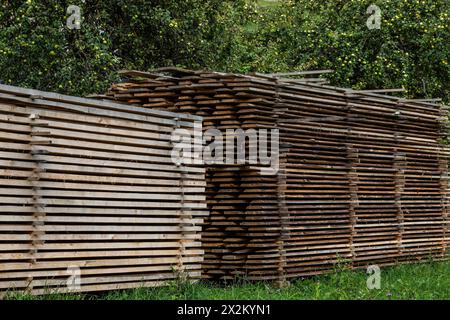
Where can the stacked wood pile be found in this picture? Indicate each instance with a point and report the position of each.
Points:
(362, 179)
(88, 188)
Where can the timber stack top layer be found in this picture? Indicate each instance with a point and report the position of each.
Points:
(362, 175)
(90, 199)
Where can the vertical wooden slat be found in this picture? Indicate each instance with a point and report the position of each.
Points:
(399, 178)
(352, 160)
(37, 139)
(284, 223)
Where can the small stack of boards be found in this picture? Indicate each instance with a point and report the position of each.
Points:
(90, 199)
(362, 175)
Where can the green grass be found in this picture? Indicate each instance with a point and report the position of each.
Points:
(420, 281)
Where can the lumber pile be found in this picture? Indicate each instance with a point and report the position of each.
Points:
(362, 175)
(90, 199)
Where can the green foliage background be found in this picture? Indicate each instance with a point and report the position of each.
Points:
(411, 49)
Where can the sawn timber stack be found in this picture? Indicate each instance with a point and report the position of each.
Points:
(362, 176)
(90, 199)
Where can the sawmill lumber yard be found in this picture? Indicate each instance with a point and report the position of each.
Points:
(90, 184)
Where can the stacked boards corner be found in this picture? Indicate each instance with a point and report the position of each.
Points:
(90, 199)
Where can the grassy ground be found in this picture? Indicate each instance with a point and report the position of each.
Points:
(421, 281)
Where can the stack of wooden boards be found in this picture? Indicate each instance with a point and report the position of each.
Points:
(90, 198)
(362, 179)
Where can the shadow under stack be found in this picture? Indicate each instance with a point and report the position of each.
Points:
(362, 178)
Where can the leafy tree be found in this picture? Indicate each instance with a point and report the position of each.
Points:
(410, 50)
(38, 50)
